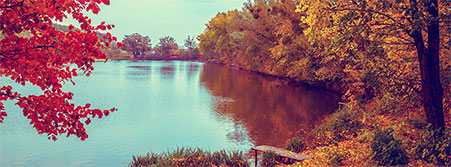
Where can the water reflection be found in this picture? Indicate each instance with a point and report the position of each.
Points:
(167, 71)
(138, 72)
(192, 69)
(140, 67)
(270, 113)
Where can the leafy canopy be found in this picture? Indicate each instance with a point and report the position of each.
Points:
(137, 44)
(48, 58)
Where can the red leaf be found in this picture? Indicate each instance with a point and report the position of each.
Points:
(106, 2)
(83, 26)
(88, 121)
(102, 27)
(96, 10)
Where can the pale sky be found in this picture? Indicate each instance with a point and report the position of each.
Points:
(158, 18)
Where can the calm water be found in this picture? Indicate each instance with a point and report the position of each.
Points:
(165, 105)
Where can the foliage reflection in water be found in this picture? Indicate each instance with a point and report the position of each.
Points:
(270, 112)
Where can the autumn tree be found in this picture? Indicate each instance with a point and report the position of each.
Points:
(214, 42)
(167, 45)
(48, 58)
(137, 44)
(379, 38)
(191, 45)
(264, 36)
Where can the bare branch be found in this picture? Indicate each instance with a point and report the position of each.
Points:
(21, 50)
(12, 6)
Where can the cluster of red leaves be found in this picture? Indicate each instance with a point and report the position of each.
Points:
(48, 58)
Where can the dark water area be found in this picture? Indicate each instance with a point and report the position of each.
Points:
(271, 112)
(164, 105)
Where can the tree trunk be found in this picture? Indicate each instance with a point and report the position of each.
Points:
(432, 90)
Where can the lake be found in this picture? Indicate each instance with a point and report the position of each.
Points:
(165, 105)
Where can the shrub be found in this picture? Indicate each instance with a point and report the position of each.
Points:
(387, 150)
(343, 124)
(435, 147)
(417, 123)
(336, 159)
(295, 144)
(269, 159)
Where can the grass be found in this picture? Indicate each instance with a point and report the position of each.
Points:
(186, 156)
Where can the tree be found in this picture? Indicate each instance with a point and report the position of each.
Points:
(429, 58)
(137, 44)
(48, 58)
(265, 36)
(366, 30)
(167, 45)
(191, 44)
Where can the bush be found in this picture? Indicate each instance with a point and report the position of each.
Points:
(191, 157)
(417, 123)
(343, 124)
(435, 147)
(387, 150)
(336, 159)
(269, 159)
(295, 144)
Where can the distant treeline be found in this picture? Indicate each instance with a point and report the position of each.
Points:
(139, 47)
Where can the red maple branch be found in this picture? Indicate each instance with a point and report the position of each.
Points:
(12, 6)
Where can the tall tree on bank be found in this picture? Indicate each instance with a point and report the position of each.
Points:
(167, 45)
(137, 44)
(48, 58)
(429, 58)
(392, 27)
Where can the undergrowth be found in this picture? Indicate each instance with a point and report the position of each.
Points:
(190, 157)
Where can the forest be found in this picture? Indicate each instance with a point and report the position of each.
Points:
(390, 60)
